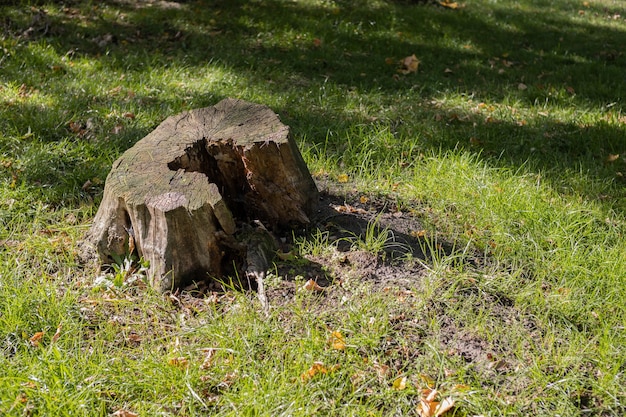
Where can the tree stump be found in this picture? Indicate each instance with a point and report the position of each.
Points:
(179, 197)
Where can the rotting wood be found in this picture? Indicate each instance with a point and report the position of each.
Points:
(178, 197)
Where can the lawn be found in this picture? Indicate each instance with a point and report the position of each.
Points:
(474, 155)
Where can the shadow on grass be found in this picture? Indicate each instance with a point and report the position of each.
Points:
(333, 65)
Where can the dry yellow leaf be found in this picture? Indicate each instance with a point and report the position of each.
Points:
(612, 157)
(427, 380)
(337, 341)
(399, 383)
(449, 4)
(180, 362)
(343, 178)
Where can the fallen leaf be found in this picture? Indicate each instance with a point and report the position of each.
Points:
(612, 157)
(114, 91)
(427, 380)
(363, 199)
(317, 42)
(522, 86)
(349, 209)
(409, 65)
(445, 405)
(337, 341)
(34, 340)
(180, 362)
(77, 128)
(129, 115)
(134, 338)
(117, 129)
(311, 285)
(428, 407)
(399, 383)
(316, 368)
(124, 413)
(57, 334)
(449, 4)
(418, 233)
(342, 178)
(381, 371)
(209, 353)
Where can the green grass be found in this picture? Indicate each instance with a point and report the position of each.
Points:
(508, 145)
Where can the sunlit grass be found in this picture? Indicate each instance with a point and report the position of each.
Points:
(507, 144)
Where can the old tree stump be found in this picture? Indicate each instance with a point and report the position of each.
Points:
(183, 197)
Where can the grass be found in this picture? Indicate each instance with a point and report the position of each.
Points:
(507, 144)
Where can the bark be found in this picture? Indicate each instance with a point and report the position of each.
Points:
(178, 197)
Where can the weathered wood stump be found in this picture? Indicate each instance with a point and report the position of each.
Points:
(180, 196)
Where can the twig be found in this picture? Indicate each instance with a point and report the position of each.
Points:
(259, 276)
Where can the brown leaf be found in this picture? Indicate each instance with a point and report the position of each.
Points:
(311, 285)
(125, 413)
(117, 129)
(612, 157)
(409, 65)
(129, 115)
(34, 340)
(57, 334)
(209, 353)
(76, 127)
(316, 368)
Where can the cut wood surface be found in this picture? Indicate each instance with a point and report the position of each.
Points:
(178, 197)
